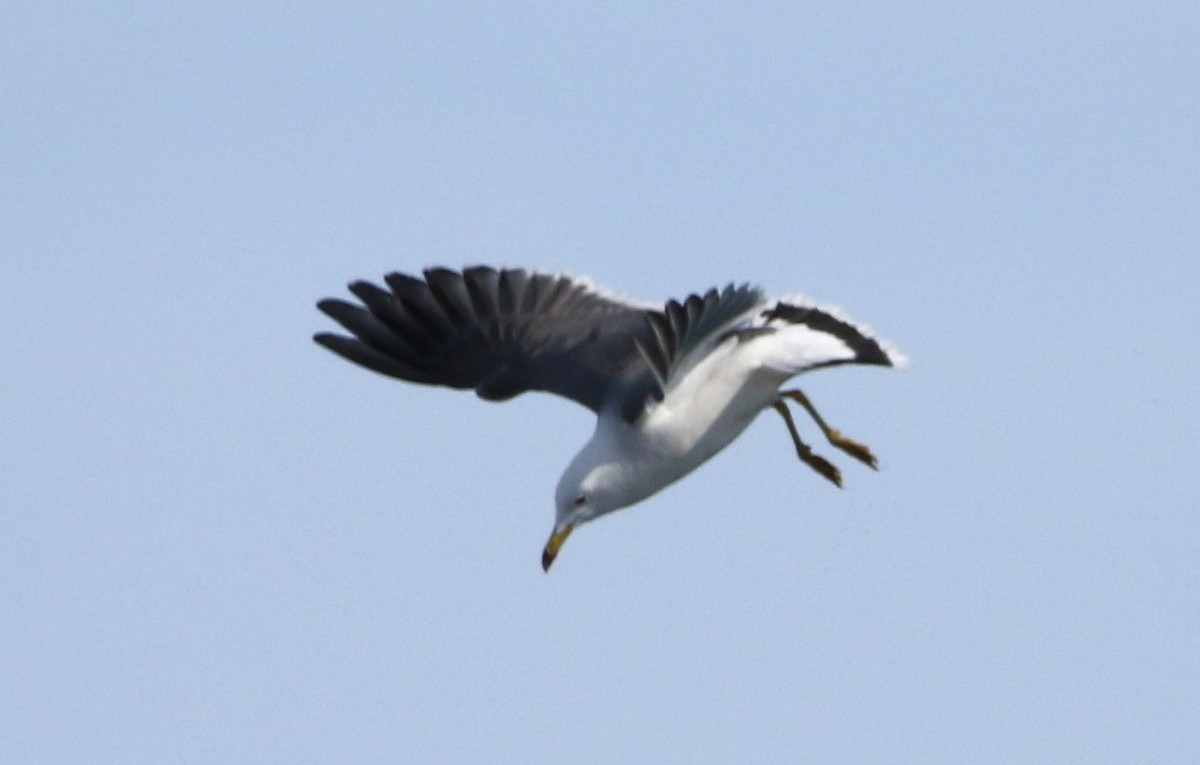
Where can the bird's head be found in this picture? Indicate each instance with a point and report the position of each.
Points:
(593, 484)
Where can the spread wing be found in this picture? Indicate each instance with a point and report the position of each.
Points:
(503, 332)
(500, 332)
(683, 328)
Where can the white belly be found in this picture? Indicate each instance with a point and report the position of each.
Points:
(708, 409)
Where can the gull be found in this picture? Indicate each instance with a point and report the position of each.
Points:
(671, 384)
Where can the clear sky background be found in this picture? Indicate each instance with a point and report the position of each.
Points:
(220, 543)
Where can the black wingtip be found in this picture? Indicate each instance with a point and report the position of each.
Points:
(331, 306)
(866, 348)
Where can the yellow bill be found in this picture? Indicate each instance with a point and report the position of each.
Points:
(553, 544)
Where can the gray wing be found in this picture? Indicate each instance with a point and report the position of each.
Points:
(504, 332)
(500, 332)
(865, 348)
(683, 327)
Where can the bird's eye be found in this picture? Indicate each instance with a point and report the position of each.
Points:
(580, 501)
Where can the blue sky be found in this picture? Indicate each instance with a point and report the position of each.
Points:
(222, 544)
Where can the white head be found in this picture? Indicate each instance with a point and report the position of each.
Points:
(599, 480)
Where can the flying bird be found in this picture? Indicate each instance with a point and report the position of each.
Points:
(671, 385)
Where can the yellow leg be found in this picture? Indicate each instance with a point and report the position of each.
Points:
(805, 452)
(856, 450)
